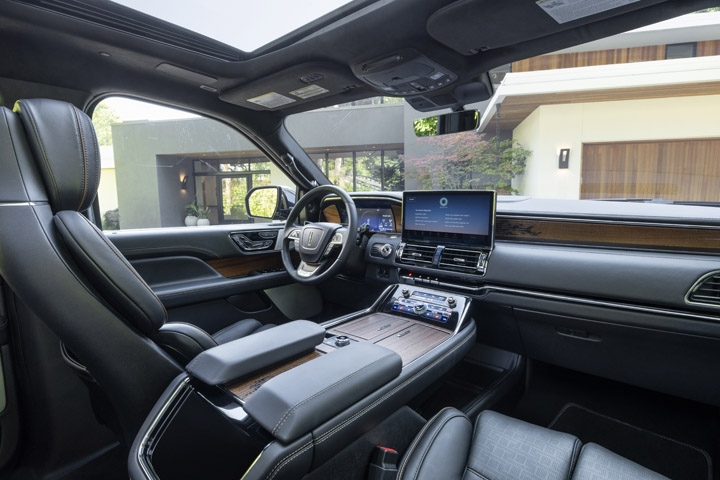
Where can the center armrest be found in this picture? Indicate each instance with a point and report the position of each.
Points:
(295, 402)
(249, 354)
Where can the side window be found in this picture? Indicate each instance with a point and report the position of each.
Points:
(163, 167)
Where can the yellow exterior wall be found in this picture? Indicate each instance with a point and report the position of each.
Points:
(107, 192)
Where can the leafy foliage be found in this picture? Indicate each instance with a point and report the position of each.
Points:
(192, 209)
(263, 202)
(111, 220)
(467, 161)
(426, 127)
(103, 118)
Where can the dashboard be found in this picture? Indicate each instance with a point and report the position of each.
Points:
(382, 214)
(378, 220)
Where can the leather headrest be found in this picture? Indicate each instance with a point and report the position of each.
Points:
(66, 150)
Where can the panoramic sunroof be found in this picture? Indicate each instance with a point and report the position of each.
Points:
(243, 25)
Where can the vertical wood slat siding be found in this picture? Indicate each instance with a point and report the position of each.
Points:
(589, 59)
(608, 57)
(708, 48)
(685, 170)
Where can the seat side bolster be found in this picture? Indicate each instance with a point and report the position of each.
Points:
(598, 463)
(183, 341)
(440, 450)
(505, 448)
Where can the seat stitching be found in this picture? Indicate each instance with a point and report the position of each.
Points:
(476, 473)
(432, 439)
(574, 458)
(414, 444)
(327, 389)
(289, 458)
(43, 153)
(83, 154)
(124, 261)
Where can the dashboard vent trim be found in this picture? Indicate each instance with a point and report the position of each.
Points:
(706, 290)
(418, 255)
(460, 260)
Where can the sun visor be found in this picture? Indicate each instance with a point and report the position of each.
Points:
(291, 87)
(472, 26)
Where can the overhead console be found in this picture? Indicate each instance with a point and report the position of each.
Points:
(425, 84)
(445, 231)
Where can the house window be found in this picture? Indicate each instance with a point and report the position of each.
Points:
(156, 161)
(680, 50)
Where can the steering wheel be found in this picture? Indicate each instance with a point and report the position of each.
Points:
(316, 242)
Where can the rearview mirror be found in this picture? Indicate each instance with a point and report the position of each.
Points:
(449, 123)
(270, 202)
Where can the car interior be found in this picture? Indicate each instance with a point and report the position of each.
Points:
(332, 323)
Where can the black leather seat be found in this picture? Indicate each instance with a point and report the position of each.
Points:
(66, 149)
(67, 273)
(504, 448)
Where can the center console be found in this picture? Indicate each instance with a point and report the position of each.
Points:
(285, 402)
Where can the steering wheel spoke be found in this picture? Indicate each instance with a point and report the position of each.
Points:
(306, 270)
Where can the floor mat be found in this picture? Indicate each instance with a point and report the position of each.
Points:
(675, 460)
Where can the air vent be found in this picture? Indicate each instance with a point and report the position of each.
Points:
(460, 260)
(417, 254)
(706, 291)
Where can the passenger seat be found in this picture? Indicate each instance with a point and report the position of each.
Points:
(504, 448)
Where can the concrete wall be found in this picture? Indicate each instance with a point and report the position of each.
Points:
(366, 125)
(151, 158)
(552, 127)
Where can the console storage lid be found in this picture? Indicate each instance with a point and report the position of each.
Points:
(297, 401)
(249, 354)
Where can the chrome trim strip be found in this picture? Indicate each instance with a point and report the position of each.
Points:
(182, 388)
(22, 204)
(696, 285)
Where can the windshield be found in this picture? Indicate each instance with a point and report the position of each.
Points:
(632, 117)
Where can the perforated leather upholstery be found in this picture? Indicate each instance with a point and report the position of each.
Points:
(504, 448)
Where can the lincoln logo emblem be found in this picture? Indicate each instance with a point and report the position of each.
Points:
(310, 239)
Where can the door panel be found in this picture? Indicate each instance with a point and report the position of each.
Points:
(205, 275)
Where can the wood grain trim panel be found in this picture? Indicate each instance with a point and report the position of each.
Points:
(397, 215)
(331, 214)
(245, 388)
(243, 266)
(654, 237)
(409, 338)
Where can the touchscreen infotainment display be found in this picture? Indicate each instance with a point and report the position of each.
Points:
(449, 217)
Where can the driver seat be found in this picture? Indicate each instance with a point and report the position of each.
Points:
(65, 147)
(63, 270)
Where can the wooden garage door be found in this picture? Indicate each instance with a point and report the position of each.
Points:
(687, 170)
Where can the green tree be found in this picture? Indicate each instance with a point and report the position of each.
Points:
(103, 118)
(426, 127)
(467, 161)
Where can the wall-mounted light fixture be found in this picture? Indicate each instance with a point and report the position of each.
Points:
(184, 183)
(564, 158)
